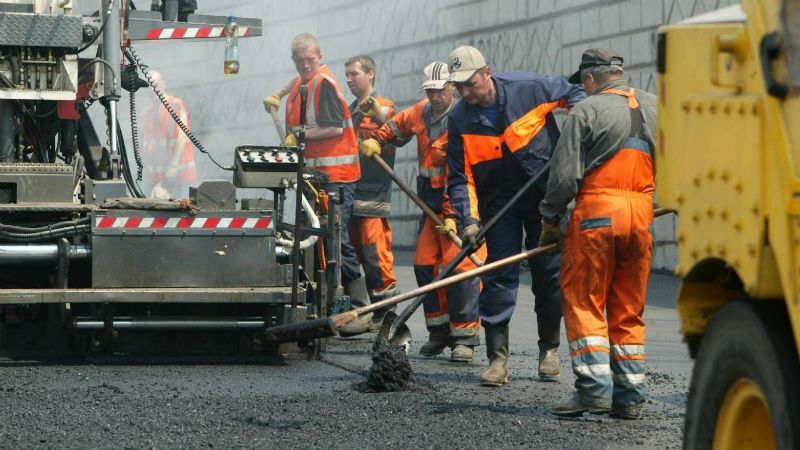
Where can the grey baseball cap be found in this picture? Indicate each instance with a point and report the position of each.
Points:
(596, 57)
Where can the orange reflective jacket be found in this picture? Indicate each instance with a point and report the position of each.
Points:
(431, 148)
(159, 138)
(337, 156)
(488, 160)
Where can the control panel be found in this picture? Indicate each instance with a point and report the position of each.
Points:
(264, 167)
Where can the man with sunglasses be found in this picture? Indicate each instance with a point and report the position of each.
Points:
(501, 133)
(332, 149)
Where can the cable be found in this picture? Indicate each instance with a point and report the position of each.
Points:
(102, 28)
(133, 185)
(131, 54)
(135, 137)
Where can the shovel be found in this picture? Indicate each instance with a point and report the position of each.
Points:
(329, 326)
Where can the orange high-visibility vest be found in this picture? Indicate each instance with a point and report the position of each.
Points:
(337, 157)
(160, 133)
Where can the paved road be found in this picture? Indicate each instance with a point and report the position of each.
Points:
(312, 404)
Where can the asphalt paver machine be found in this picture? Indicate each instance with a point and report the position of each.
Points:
(89, 265)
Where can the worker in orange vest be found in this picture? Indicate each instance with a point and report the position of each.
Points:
(605, 162)
(330, 148)
(451, 314)
(370, 232)
(168, 156)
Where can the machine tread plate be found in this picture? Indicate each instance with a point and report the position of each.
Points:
(40, 30)
(275, 295)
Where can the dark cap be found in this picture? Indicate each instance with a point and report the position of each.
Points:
(596, 57)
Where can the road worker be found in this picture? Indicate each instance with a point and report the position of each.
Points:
(501, 133)
(451, 314)
(331, 148)
(168, 155)
(370, 232)
(604, 160)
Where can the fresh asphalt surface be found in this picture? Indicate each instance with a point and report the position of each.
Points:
(312, 404)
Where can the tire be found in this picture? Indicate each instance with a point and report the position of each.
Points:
(748, 347)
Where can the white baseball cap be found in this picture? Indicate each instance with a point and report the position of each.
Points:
(436, 76)
(463, 62)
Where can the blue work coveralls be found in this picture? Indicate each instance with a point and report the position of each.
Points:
(489, 162)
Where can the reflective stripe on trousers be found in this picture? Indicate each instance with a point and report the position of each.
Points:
(606, 264)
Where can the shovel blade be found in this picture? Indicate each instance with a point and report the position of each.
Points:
(399, 337)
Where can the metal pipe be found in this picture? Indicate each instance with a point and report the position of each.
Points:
(145, 323)
(112, 53)
(301, 143)
(40, 253)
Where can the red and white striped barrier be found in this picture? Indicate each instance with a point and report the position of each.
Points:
(216, 223)
(192, 32)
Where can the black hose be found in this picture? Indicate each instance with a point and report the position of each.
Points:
(23, 230)
(133, 186)
(46, 235)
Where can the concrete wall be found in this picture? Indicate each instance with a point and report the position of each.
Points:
(545, 36)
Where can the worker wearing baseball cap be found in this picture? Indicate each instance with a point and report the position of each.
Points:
(501, 133)
(451, 314)
(604, 161)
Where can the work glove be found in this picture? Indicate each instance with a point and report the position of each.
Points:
(551, 234)
(369, 148)
(448, 226)
(272, 102)
(370, 107)
(470, 236)
(290, 141)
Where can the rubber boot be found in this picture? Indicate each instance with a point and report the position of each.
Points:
(549, 338)
(357, 290)
(462, 354)
(497, 350)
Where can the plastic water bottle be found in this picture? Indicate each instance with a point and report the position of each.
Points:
(231, 47)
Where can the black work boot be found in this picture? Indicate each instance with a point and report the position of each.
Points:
(549, 338)
(438, 340)
(497, 350)
(357, 290)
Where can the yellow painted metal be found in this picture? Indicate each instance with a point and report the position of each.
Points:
(729, 162)
(744, 422)
(698, 301)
